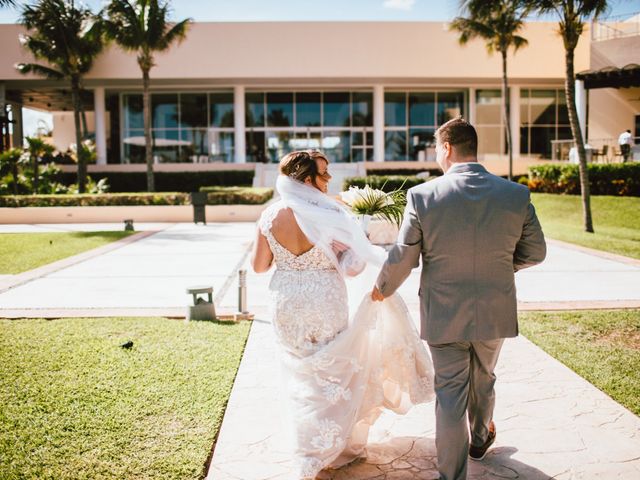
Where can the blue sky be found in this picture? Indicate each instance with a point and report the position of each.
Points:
(318, 10)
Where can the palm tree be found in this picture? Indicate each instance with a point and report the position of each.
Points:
(7, 3)
(68, 39)
(10, 159)
(572, 16)
(37, 149)
(497, 22)
(142, 26)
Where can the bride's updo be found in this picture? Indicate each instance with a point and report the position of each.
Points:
(301, 164)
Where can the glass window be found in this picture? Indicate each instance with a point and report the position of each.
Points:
(164, 110)
(308, 109)
(422, 144)
(193, 110)
(450, 105)
(422, 108)
(193, 147)
(395, 145)
(395, 109)
(543, 107)
(540, 141)
(254, 105)
(166, 146)
(362, 106)
(489, 139)
(133, 116)
(134, 146)
(279, 109)
(524, 106)
(255, 147)
(336, 109)
(221, 107)
(488, 107)
(563, 112)
(524, 140)
(221, 146)
(278, 145)
(337, 146)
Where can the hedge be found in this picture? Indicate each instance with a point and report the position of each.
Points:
(622, 179)
(168, 181)
(383, 182)
(245, 196)
(408, 172)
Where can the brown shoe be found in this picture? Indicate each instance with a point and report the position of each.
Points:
(478, 453)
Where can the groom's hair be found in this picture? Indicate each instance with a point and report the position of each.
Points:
(301, 164)
(461, 135)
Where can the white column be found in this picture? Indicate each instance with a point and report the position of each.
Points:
(378, 123)
(581, 107)
(472, 106)
(514, 97)
(239, 124)
(100, 123)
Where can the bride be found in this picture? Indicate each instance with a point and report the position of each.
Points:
(338, 373)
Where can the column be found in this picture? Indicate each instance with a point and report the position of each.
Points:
(239, 124)
(18, 130)
(100, 124)
(581, 107)
(514, 97)
(378, 123)
(472, 106)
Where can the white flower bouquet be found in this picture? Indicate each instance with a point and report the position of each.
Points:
(376, 203)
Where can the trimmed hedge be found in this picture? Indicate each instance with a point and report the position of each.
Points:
(621, 179)
(246, 196)
(408, 172)
(386, 183)
(168, 181)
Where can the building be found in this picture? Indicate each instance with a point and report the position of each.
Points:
(238, 93)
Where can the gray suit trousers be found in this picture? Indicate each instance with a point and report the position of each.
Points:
(464, 381)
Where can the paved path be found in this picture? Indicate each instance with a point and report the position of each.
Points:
(551, 423)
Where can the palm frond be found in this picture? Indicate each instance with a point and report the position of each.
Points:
(40, 70)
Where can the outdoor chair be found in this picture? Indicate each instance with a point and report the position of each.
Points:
(601, 155)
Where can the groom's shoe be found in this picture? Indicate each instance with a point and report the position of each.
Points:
(478, 453)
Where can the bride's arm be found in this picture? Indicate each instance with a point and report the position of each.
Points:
(261, 256)
(351, 264)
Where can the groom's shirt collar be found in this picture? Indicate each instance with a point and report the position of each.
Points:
(466, 167)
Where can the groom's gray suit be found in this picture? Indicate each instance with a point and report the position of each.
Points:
(473, 230)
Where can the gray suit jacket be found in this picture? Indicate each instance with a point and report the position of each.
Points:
(473, 230)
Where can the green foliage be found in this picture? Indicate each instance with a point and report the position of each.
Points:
(617, 218)
(374, 202)
(237, 195)
(602, 346)
(246, 196)
(604, 179)
(403, 172)
(25, 251)
(173, 181)
(385, 183)
(75, 405)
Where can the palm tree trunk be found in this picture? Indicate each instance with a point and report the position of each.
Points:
(82, 166)
(569, 88)
(506, 112)
(35, 174)
(146, 112)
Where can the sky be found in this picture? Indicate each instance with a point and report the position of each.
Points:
(316, 10)
(299, 10)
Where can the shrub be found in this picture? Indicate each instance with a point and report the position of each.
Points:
(172, 181)
(604, 179)
(385, 183)
(408, 172)
(246, 196)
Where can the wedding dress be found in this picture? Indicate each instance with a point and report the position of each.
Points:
(338, 374)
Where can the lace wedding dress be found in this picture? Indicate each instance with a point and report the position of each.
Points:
(338, 375)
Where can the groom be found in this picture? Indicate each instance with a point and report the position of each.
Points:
(473, 230)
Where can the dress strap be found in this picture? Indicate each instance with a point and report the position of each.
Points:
(266, 219)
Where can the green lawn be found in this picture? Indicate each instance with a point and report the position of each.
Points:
(75, 405)
(603, 346)
(25, 251)
(616, 221)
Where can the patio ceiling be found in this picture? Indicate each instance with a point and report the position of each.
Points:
(50, 99)
(611, 77)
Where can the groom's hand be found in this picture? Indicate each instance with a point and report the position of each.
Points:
(376, 296)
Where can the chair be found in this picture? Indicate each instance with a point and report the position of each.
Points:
(602, 153)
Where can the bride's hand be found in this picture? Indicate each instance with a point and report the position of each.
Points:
(339, 247)
(376, 296)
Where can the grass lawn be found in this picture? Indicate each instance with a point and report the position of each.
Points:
(25, 251)
(75, 405)
(603, 346)
(616, 221)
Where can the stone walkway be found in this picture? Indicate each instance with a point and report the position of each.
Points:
(551, 423)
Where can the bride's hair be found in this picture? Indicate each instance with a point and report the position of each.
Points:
(301, 164)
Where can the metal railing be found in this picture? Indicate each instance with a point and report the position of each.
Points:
(618, 26)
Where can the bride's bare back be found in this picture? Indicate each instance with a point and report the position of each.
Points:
(286, 231)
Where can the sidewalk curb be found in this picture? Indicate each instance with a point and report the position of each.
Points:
(597, 253)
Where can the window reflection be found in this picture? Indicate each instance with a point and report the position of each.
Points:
(422, 108)
(336, 109)
(308, 109)
(544, 118)
(221, 108)
(164, 110)
(279, 109)
(395, 145)
(395, 108)
(449, 106)
(254, 106)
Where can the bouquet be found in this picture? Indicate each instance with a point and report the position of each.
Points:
(376, 203)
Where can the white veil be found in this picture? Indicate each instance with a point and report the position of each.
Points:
(323, 219)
